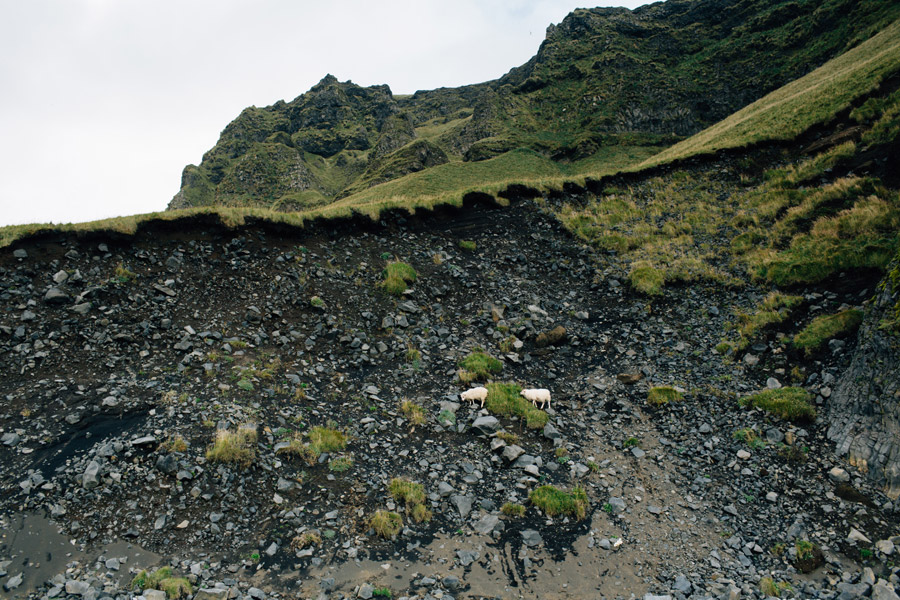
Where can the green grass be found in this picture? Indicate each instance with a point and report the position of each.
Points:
(414, 413)
(162, 579)
(823, 328)
(505, 399)
(554, 501)
(792, 109)
(324, 439)
(406, 491)
(788, 403)
(511, 509)
(386, 524)
(234, 446)
(646, 278)
(468, 245)
(397, 277)
(658, 396)
(340, 464)
(478, 366)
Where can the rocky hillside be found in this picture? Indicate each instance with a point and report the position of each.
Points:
(270, 412)
(603, 78)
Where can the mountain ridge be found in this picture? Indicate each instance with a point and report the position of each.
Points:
(601, 78)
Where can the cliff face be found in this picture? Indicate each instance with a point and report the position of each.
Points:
(865, 408)
(602, 77)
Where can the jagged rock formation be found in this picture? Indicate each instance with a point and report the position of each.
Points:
(865, 408)
(603, 76)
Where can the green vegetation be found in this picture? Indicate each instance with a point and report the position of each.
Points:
(511, 509)
(774, 309)
(658, 396)
(788, 403)
(749, 437)
(386, 524)
(478, 366)
(769, 587)
(797, 106)
(306, 539)
(823, 328)
(467, 245)
(234, 446)
(174, 443)
(554, 501)
(413, 496)
(123, 275)
(397, 277)
(509, 438)
(321, 440)
(414, 413)
(340, 464)
(505, 399)
(162, 579)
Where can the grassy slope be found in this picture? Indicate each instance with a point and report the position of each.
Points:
(789, 111)
(812, 99)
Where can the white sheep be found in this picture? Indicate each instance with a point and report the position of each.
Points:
(476, 393)
(537, 395)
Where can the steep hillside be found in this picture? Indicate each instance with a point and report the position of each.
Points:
(602, 78)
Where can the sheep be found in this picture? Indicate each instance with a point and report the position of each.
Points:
(537, 395)
(476, 393)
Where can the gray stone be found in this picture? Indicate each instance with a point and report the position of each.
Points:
(617, 504)
(77, 588)
(20, 253)
(167, 463)
(445, 489)
(637, 452)
(857, 536)
(154, 595)
(10, 438)
(550, 432)
(886, 547)
(774, 435)
(285, 485)
(211, 594)
(91, 476)
(884, 591)
(772, 383)
(511, 453)
(113, 564)
(649, 596)
(838, 475)
(60, 277)
(531, 537)
(13, 582)
(56, 296)
(682, 585)
(486, 425)
(486, 524)
(467, 557)
(462, 504)
(366, 591)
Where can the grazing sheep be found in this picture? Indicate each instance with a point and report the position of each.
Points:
(537, 395)
(476, 393)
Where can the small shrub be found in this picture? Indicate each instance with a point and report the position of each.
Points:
(657, 396)
(749, 437)
(316, 302)
(161, 579)
(406, 491)
(397, 277)
(447, 417)
(509, 438)
(414, 413)
(386, 524)
(123, 275)
(246, 385)
(646, 278)
(234, 446)
(413, 355)
(324, 439)
(511, 509)
(340, 464)
(788, 403)
(479, 365)
(382, 592)
(809, 556)
(792, 454)
(554, 501)
(174, 443)
(823, 328)
(467, 245)
(306, 539)
(632, 442)
(770, 587)
(420, 514)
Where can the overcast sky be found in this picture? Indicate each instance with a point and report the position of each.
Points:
(103, 102)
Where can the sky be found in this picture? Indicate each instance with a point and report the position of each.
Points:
(103, 102)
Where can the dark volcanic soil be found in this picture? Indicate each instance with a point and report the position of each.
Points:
(110, 348)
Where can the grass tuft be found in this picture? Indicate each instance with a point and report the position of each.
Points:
(234, 446)
(554, 501)
(511, 509)
(789, 403)
(414, 413)
(658, 396)
(823, 328)
(386, 524)
(505, 399)
(478, 366)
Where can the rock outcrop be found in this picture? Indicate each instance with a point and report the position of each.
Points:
(865, 408)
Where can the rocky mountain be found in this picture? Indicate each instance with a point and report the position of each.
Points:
(602, 77)
(227, 404)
